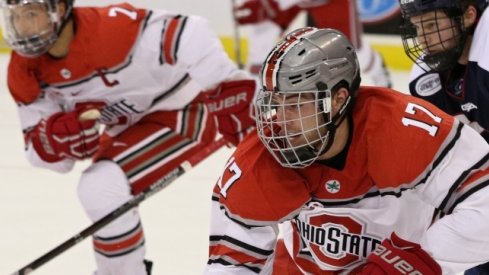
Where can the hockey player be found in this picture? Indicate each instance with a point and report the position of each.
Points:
(363, 180)
(144, 71)
(448, 42)
(267, 19)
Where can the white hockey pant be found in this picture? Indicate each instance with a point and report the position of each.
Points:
(119, 246)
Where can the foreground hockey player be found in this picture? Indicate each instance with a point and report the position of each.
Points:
(448, 41)
(143, 70)
(363, 180)
(267, 19)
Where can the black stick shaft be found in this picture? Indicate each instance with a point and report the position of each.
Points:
(237, 37)
(154, 188)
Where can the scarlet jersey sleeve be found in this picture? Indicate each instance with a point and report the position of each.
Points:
(256, 190)
(445, 162)
(416, 145)
(250, 199)
(404, 134)
(21, 79)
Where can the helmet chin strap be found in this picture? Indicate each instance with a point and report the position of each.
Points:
(331, 128)
(335, 121)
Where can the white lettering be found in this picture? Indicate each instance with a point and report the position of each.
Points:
(467, 107)
(227, 102)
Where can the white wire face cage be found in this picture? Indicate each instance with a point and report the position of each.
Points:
(293, 125)
(30, 27)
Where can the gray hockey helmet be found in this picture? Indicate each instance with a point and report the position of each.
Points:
(307, 56)
(304, 68)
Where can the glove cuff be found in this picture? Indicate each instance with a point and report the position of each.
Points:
(41, 144)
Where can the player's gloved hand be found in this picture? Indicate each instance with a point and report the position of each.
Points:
(256, 11)
(312, 3)
(231, 104)
(396, 256)
(66, 135)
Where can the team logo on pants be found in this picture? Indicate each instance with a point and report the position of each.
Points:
(336, 242)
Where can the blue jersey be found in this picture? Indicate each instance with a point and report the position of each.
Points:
(464, 90)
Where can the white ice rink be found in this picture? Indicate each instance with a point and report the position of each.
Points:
(39, 209)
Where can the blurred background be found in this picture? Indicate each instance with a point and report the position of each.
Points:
(380, 19)
(39, 209)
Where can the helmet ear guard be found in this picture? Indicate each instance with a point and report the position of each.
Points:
(308, 61)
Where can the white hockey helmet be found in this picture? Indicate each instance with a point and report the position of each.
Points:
(31, 27)
(306, 67)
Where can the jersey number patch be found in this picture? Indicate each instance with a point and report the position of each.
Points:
(412, 110)
(115, 10)
(235, 172)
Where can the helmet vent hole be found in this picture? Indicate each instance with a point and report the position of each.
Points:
(298, 78)
(311, 73)
(294, 79)
(302, 52)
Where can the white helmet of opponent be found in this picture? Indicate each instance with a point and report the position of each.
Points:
(307, 66)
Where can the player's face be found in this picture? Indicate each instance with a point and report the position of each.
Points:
(31, 19)
(298, 118)
(436, 32)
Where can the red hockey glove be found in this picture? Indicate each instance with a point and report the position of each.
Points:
(255, 11)
(231, 104)
(397, 256)
(312, 3)
(66, 135)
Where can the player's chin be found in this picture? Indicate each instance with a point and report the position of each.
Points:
(437, 50)
(295, 141)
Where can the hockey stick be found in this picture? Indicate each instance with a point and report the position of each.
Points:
(154, 188)
(237, 37)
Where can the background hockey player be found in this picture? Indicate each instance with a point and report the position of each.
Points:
(356, 175)
(448, 42)
(143, 70)
(267, 19)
